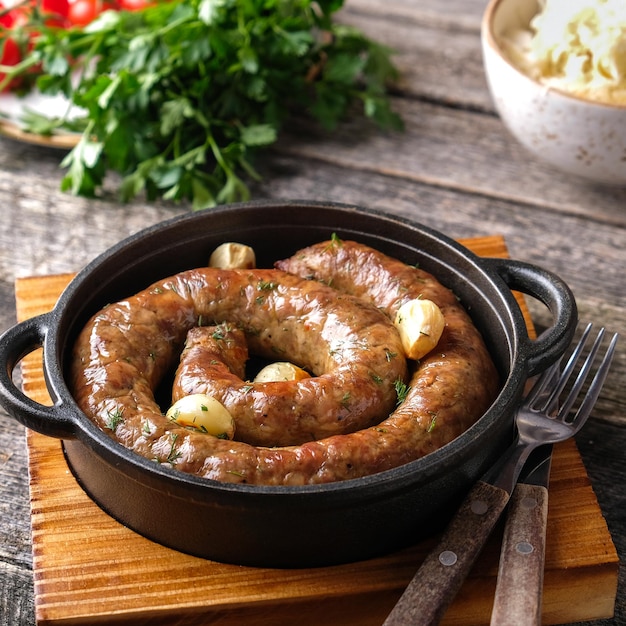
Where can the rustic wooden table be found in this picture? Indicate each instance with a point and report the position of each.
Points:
(455, 168)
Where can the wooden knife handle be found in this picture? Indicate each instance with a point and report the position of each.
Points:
(441, 575)
(519, 588)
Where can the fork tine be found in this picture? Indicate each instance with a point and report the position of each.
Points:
(552, 402)
(566, 405)
(541, 383)
(596, 385)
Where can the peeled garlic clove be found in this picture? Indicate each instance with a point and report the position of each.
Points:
(232, 255)
(204, 413)
(420, 324)
(280, 371)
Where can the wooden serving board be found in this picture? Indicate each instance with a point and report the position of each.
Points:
(89, 569)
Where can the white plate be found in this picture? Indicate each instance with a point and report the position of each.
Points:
(12, 107)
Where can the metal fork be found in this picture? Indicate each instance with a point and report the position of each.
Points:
(444, 570)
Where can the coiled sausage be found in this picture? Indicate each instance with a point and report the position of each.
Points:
(351, 347)
(448, 389)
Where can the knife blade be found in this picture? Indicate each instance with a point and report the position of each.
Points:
(519, 587)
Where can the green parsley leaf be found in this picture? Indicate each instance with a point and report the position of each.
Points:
(180, 97)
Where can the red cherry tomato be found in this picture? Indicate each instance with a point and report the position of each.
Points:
(58, 7)
(82, 12)
(10, 52)
(6, 16)
(19, 17)
(134, 5)
(10, 56)
(54, 12)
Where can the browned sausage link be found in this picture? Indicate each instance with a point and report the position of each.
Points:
(123, 352)
(353, 268)
(223, 347)
(213, 363)
(453, 385)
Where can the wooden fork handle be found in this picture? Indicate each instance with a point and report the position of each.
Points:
(520, 578)
(444, 570)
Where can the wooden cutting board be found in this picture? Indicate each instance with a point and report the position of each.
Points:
(89, 569)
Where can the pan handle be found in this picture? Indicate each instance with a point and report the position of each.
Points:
(15, 344)
(549, 289)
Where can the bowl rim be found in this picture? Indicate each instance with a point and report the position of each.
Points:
(492, 42)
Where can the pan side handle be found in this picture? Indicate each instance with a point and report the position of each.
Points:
(555, 294)
(15, 344)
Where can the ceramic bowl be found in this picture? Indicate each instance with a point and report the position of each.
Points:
(575, 135)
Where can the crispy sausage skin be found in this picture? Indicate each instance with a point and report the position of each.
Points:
(451, 386)
(292, 412)
(126, 349)
(348, 344)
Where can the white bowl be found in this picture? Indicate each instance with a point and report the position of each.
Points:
(575, 135)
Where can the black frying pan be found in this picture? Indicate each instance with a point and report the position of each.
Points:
(286, 526)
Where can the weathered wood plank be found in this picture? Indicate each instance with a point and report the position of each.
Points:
(16, 582)
(452, 14)
(438, 58)
(16, 588)
(456, 149)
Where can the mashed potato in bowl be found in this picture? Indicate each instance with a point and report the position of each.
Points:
(577, 46)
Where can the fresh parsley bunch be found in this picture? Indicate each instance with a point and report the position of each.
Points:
(180, 95)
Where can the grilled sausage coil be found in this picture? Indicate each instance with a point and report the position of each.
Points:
(341, 423)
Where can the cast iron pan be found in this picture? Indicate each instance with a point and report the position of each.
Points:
(286, 526)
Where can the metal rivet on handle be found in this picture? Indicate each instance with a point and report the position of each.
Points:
(447, 557)
(529, 503)
(523, 547)
(479, 507)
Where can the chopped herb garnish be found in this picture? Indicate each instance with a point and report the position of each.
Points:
(235, 473)
(335, 241)
(402, 390)
(390, 355)
(267, 285)
(174, 454)
(218, 334)
(431, 426)
(114, 419)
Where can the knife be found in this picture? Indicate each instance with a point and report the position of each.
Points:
(519, 587)
(519, 590)
(443, 571)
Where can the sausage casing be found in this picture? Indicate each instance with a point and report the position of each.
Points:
(349, 345)
(448, 390)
